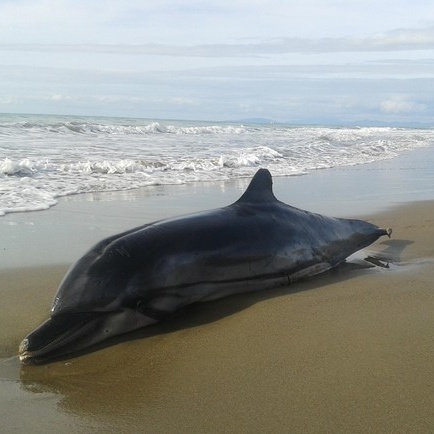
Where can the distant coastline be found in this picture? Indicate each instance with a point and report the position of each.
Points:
(331, 123)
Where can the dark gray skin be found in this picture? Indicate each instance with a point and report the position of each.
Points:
(141, 276)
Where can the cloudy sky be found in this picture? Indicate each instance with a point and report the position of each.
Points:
(302, 61)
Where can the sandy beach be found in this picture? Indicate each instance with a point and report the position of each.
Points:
(348, 351)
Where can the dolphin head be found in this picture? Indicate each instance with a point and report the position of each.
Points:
(88, 307)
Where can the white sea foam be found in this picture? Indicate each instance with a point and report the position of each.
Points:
(43, 158)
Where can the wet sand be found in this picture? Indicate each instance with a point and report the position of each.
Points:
(349, 351)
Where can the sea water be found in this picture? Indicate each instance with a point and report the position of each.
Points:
(45, 157)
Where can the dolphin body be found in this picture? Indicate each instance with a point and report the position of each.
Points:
(143, 275)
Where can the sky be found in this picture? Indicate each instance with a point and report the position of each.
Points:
(298, 61)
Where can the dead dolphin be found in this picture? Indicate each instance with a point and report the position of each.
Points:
(141, 276)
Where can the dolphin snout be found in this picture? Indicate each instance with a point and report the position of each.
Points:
(22, 350)
(50, 338)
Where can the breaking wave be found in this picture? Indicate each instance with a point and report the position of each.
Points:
(43, 158)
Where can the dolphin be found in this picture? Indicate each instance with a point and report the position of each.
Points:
(143, 275)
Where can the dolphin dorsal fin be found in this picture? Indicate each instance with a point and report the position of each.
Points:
(260, 188)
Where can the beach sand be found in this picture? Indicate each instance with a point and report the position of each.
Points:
(349, 351)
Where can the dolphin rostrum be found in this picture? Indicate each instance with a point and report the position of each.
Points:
(143, 275)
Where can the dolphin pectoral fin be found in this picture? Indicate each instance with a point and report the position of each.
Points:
(309, 271)
(376, 262)
(160, 307)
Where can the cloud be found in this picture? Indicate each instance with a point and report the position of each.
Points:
(7, 100)
(183, 101)
(396, 40)
(401, 105)
(59, 98)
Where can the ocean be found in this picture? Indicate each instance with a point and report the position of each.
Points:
(43, 158)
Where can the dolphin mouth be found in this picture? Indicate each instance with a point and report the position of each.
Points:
(58, 336)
